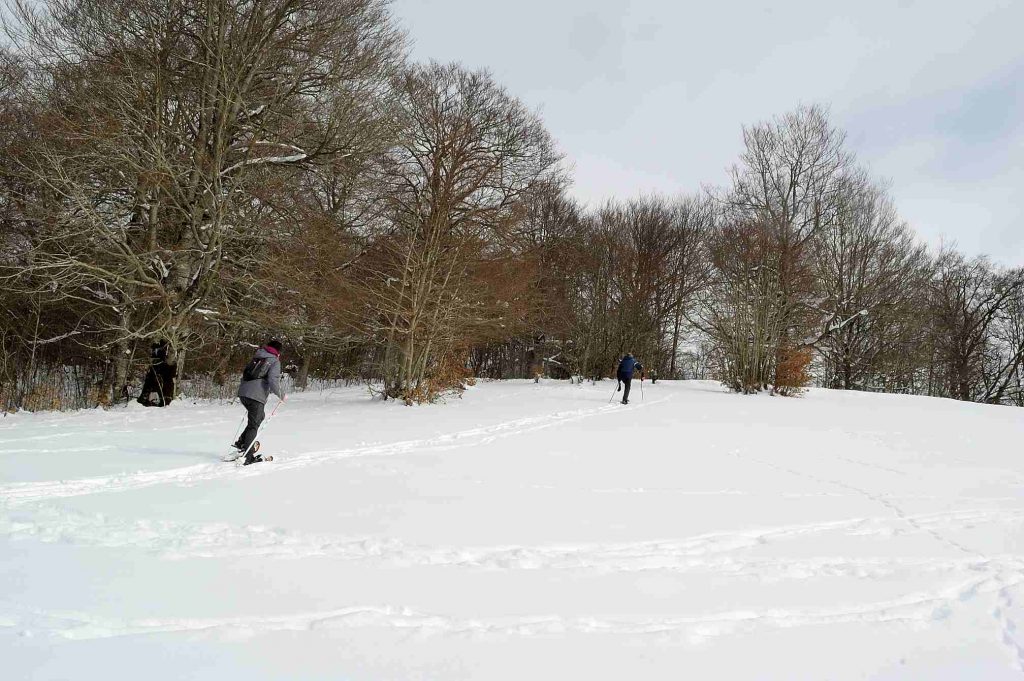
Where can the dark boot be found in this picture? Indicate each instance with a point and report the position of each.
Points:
(252, 455)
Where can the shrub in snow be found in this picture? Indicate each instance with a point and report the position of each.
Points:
(791, 375)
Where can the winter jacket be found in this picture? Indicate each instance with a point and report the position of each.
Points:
(627, 366)
(158, 354)
(158, 362)
(259, 389)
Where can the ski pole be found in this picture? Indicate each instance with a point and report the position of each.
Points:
(265, 421)
(613, 394)
(241, 424)
(641, 389)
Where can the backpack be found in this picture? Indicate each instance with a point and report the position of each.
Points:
(256, 369)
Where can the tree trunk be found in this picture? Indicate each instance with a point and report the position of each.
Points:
(119, 386)
(675, 348)
(302, 378)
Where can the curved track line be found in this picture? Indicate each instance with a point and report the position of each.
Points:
(23, 493)
(719, 551)
(919, 608)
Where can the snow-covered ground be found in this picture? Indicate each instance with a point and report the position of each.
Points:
(522, 532)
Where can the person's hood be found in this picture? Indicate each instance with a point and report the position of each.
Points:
(266, 353)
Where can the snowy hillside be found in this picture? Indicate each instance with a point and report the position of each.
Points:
(523, 532)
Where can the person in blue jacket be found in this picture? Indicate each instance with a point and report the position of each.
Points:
(627, 367)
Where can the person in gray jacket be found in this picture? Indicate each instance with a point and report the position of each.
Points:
(261, 377)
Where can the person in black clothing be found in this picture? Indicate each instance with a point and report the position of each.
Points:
(627, 367)
(159, 378)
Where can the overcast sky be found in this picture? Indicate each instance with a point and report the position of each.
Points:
(651, 95)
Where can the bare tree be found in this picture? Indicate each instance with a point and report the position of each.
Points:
(548, 249)
(968, 299)
(872, 271)
(459, 181)
(787, 188)
(164, 124)
(1003, 369)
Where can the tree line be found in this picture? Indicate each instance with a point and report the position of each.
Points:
(212, 172)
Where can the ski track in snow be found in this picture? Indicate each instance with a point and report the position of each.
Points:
(24, 493)
(914, 609)
(61, 450)
(885, 502)
(175, 540)
(1007, 627)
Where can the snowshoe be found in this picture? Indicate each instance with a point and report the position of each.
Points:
(236, 451)
(253, 456)
(232, 455)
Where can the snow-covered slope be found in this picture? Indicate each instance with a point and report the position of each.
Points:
(523, 532)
